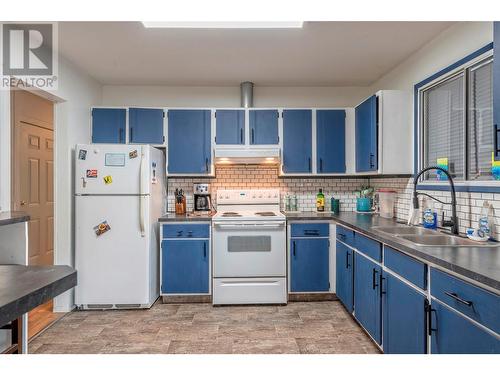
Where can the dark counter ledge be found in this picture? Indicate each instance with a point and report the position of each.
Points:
(481, 264)
(22, 288)
(12, 217)
(188, 217)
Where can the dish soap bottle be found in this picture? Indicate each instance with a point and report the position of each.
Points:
(320, 201)
(430, 217)
(485, 221)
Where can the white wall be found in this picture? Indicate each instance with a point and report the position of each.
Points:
(170, 96)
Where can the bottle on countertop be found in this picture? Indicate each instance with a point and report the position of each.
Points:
(430, 216)
(320, 201)
(485, 221)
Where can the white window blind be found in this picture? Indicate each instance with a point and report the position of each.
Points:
(443, 126)
(480, 121)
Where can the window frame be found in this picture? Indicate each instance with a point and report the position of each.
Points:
(462, 66)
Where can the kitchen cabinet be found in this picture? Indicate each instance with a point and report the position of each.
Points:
(366, 135)
(344, 275)
(330, 141)
(383, 129)
(185, 266)
(230, 127)
(496, 87)
(108, 125)
(367, 301)
(297, 141)
(452, 333)
(404, 312)
(189, 142)
(263, 126)
(146, 125)
(309, 257)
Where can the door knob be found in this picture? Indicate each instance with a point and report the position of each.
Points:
(23, 203)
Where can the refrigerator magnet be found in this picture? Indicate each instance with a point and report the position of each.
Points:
(91, 173)
(82, 154)
(101, 228)
(108, 179)
(132, 154)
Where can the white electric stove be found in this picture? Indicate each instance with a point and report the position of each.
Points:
(249, 241)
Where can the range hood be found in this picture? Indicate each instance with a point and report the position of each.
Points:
(247, 155)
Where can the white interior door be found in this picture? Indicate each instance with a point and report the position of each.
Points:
(113, 267)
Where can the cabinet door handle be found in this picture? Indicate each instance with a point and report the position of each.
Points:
(310, 170)
(179, 233)
(204, 249)
(374, 279)
(131, 134)
(190, 233)
(241, 136)
(347, 259)
(206, 164)
(458, 299)
(294, 246)
(321, 164)
(495, 139)
(253, 137)
(120, 136)
(372, 164)
(430, 310)
(381, 282)
(311, 232)
(342, 236)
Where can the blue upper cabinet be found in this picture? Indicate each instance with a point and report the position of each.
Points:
(297, 140)
(146, 125)
(366, 136)
(330, 141)
(264, 127)
(496, 87)
(189, 145)
(230, 127)
(108, 125)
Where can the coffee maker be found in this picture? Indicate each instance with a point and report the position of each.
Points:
(202, 198)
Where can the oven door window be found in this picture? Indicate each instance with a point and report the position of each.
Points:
(248, 244)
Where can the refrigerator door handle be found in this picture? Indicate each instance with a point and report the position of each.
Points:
(142, 181)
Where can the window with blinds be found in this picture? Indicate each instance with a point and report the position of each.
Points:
(457, 124)
(480, 121)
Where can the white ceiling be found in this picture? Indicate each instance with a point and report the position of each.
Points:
(320, 54)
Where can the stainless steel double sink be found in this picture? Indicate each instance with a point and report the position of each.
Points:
(427, 237)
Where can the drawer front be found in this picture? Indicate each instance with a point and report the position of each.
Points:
(186, 230)
(478, 304)
(411, 269)
(310, 230)
(369, 247)
(345, 235)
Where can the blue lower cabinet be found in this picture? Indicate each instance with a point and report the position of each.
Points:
(185, 266)
(344, 275)
(451, 333)
(404, 312)
(367, 301)
(309, 265)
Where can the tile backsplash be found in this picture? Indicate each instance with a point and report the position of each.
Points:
(266, 177)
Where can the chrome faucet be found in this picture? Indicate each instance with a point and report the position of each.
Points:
(453, 222)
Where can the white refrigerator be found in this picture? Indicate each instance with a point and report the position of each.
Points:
(119, 196)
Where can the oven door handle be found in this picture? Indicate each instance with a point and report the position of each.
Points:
(251, 226)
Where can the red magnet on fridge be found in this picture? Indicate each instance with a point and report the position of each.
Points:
(91, 173)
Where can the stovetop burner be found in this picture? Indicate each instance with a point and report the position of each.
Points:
(266, 213)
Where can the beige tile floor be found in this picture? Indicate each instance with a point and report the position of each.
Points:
(299, 327)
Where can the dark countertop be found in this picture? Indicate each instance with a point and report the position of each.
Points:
(12, 217)
(481, 263)
(170, 216)
(22, 288)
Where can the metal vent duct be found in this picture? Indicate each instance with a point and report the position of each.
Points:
(246, 94)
